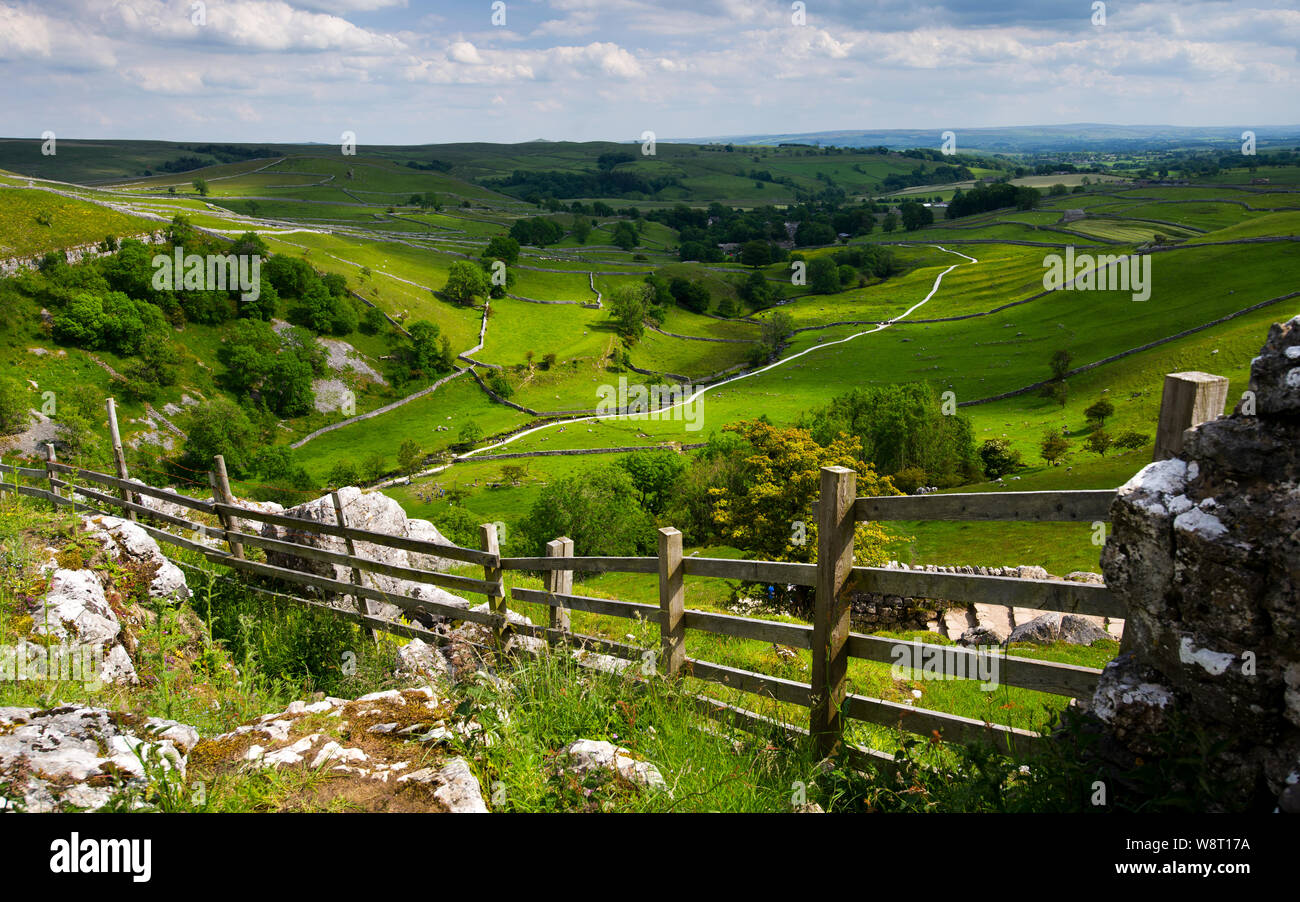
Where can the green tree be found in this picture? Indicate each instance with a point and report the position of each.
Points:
(756, 253)
(653, 474)
(628, 304)
(1099, 412)
(409, 456)
(201, 186)
(776, 328)
(598, 509)
(466, 283)
(503, 248)
(1053, 447)
(220, 427)
(581, 228)
(1099, 441)
(823, 275)
(625, 236)
(901, 426)
(915, 215)
(1060, 363)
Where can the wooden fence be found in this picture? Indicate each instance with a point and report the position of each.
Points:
(834, 579)
(828, 638)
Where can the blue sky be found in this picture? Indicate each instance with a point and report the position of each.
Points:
(408, 72)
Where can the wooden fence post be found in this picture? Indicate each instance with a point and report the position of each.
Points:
(119, 458)
(362, 604)
(50, 478)
(222, 495)
(559, 582)
(496, 603)
(830, 660)
(1189, 399)
(672, 600)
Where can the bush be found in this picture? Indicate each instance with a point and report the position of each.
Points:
(1132, 439)
(220, 427)
(598, 510)
(13, 406)
(998, 458)
(344, 472)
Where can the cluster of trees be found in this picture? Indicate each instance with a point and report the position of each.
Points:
(935, 175)
(604, 182)
(851, 267)
(915, 215)
(243, 436)
(983, 198)
(817, 224)
(431, 166)
(321, 303)
(903, 432)
(539, 231)
(272, 370)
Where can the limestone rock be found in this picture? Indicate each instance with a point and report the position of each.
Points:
(1275, 373)
(585, 755)
(75, 608)
(68, 758)
(1055, 627)
(126, 541)
(375, 512)
(419, 659)
(459, 791)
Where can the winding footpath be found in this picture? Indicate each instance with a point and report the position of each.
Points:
(879, 327)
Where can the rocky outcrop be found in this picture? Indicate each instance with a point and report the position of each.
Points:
(76, 758)
(1054, 627)
(1205, 550)
(584, 756)
(125, 542)
(385, 751)
(74, 631)
(376, 512)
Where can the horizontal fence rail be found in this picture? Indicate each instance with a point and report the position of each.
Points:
(1025, 507)
(1008, 591)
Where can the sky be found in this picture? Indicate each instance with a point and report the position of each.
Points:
(413, 72)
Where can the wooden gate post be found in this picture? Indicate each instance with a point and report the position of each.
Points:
(119, 458)
(559, 582)
(496, 603)
(361, 603)
(1189, 399)
(830, 660)
(50, 460)
(222, 495)
(672, 600)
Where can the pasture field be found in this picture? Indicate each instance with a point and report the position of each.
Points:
(34, 222)
(333, 211)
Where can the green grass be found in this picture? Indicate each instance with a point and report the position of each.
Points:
(33, 222)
